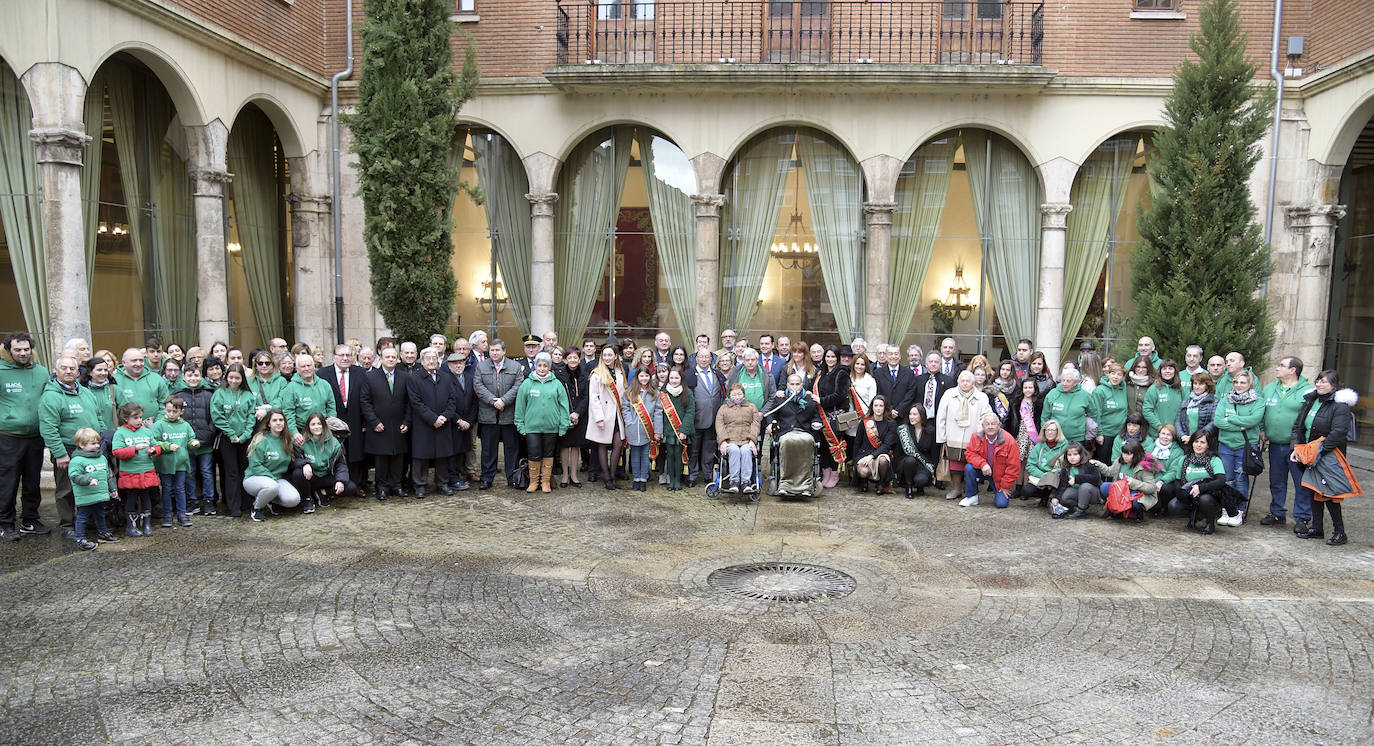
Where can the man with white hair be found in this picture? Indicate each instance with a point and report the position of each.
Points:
(410, 354)
(477, 342)
(367, 359)
(550, 341)
(346, 380)
(276, 346)
(1071, 405)
(304, 394)
(79, 348)
(860, 347)
(759, 386)
(992, 456)
(895, 381)
(950, 364)
(439, 343)
(915, 357)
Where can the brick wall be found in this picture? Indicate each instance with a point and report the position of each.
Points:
(1339, 29)
(293, 31)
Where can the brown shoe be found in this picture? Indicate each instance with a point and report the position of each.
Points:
(535, 466)
(546, 484)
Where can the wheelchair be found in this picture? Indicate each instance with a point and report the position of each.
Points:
(798, 483)
(753, 490)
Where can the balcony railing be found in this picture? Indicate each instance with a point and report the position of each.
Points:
(932, 32)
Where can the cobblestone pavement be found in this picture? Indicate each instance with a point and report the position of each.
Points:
(588, 616)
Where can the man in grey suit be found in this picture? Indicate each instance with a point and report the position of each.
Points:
(709, 394)
(496, 383)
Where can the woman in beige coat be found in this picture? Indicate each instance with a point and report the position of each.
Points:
(957, 420)
(605, 423)
(737, 431)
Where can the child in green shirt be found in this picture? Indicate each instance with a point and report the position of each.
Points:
(92, 485)
(177, 439)
(133, 444)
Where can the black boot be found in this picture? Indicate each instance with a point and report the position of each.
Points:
(132, 529)
(909, 494)
(1337, 525)
(381, 494)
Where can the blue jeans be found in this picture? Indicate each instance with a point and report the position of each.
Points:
(89, 513)
(972, 476)
(639, 462)
(1281, 471)
(173, 493)
(741, 462)
(1234, 461)
(200, 480)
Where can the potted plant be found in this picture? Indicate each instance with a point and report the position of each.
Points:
(942, 317)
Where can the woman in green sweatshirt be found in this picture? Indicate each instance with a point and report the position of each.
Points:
(1239, 417)
(319, 468)
(1163, 398)
(269, 460)
(1112, 408)
(233, 411)
(1043, 460)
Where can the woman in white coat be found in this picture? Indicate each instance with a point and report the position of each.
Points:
(605, 422)
(957, 420)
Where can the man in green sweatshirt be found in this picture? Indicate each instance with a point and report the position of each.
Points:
(305, 393)
(1071, 406)
(1282, 400)
(133, 382)
(21, 450)
(65, 407)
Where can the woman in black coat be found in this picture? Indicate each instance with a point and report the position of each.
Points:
(433, 405)
(914, 452)
(873, 447)
(573, 375)
(832, 389)
(1332, 420)
(386, 415)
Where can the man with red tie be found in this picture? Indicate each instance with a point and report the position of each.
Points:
(346, 380)
(771, 362)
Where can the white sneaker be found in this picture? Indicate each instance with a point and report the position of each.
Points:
(968, 502)
(951, 495)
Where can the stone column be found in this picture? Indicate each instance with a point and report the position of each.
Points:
(1301, 330)
(708, 266)
(878, 275)
(1049, 325)
(57, 93)
(208, 145)
(312, 267)
(542, 283)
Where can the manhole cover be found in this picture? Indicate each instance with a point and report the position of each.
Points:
(789, 582)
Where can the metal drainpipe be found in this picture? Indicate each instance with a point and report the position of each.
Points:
(1277, 75)
(336, 196)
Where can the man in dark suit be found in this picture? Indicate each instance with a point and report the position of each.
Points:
(464, 417)
(533, 345)
(663, 349)
(895, 381)
(950, 364)
(347, 382)
(931, 385)
(432, 408)
(709, 393)
(386, 414)
(771, 362)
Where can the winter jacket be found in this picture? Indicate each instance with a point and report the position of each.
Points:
(490, 384)
(21, 386)
(1006, 457)
(1161, 406)
(61, 412)
(834, 391)
(1044, 458)
(605, 406)
(735, 423)
(299, 399)
(947, 428)
(1072, 410)
(1281, 407)
(1196, 419)
(197, 414)
(91, 479)
(1082, 474)
(430, 398)
(796, 414)
(1112, 408)
(135, 448)
(233, 413)
(1231, 419)
(758, 389)
(542, 406)
(148, 390)
(1136, 395)
(635, 434)
(388, 405)
(175, 439)
(1332, 421)
(267, 458)
(1139, 478)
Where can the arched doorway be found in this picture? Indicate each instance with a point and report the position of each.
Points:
(791, 238)
(965, 243)
(22, 300)
(491, 240)
(625, 237)
(1350, 320)
(258, 244)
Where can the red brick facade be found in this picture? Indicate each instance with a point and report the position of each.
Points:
(291, 30)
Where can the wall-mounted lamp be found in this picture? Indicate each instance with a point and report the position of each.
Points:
(957, 300)
(493, 294)
(233, 247)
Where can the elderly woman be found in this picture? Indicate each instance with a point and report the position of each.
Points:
(542, 415)
(957, 419)
(1071, 405)
(737, 431)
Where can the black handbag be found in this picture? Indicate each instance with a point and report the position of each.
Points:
(1254, 463)
(521, 479)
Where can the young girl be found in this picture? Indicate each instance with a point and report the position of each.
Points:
(643, 424)
(679, 412)
(873, 446)
(177, 438)
(319, 468)
(737, 430)
(91, 487)
(1132, 431)
(1024, 419)
(1139, 470)
(269, 459)
(200, 472)
(134, 446)
(232, 410)
(1079, 485)
(1043, 463)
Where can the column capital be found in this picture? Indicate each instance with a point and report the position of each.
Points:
(59, 144)
(708, 205)
(316, 203)
(879, 213)
(1055, 215)
(1304, 217)
(541, 205)
(208, 182)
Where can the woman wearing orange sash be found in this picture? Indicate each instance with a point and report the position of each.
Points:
(679, 414)
(873, 447)
(643, 425)
(605, 421)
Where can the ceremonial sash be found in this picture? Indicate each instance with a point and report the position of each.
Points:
(858, 403)
(871, 430)
(837, 449)
(643, 412)
(909, 446)
(675, 420)
(615, 391)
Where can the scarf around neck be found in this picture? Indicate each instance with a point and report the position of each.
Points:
(1138, 379)
(542, 379)
(1239, 398)
(1161, 451)
(964, 412)
(1005, 387)
(673, 390)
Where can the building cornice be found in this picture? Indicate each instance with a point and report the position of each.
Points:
(1087, 86)
(232, 45)
(1342, 72)
(734, 78)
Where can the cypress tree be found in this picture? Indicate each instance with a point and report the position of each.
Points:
(408, 100)
(1203, 258)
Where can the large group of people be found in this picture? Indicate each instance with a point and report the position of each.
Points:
(164, 433)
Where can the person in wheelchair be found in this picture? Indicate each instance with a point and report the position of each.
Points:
(794, 422)
(737, 431)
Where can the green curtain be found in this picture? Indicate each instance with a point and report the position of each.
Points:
(174, 233)
(749, 221)
(1007, 188)
(589, 190)
(1098, 194)
(834, 188)
(132, 147)
(21, 209)
(90, 171)
(921, 194)
(504, 184)
(258, 215)
(670, 181)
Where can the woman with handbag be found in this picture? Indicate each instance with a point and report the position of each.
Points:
(958, 417)
(1325, 414)
(831, 389)
(1042, 464)
(1240, 411)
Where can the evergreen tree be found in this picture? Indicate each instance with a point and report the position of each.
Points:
(408, 100)
(1202, 257)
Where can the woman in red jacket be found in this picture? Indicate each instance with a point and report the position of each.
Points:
(992, 456)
